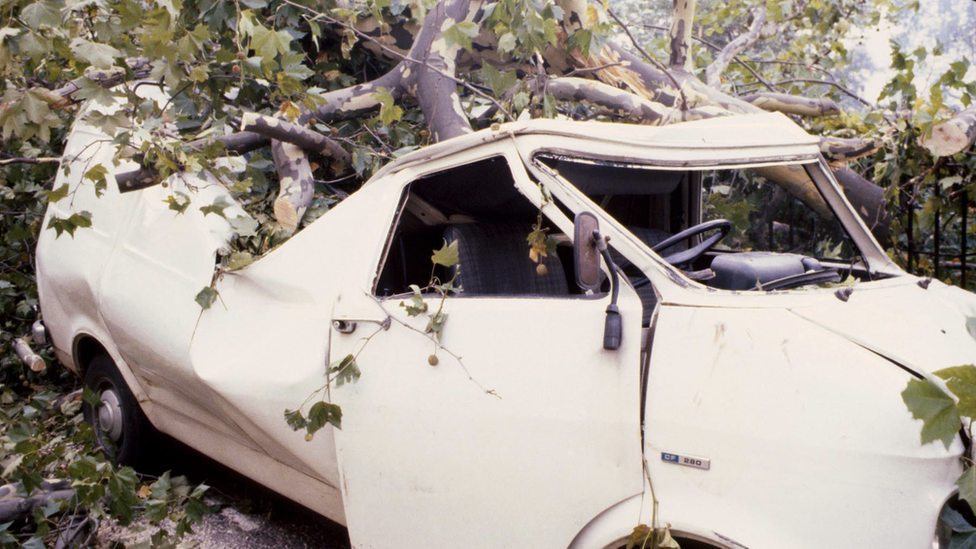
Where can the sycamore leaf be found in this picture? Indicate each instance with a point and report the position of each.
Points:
(461, 33)
(91, 90)
(417, 305)
(507, 43)
(100, 55)
(961, 380)
(96, 174)
(447, 256)
(35, 105)
(937, 410)
(321, 413)
(967, 487)
(206, 297)
(178, 202)
(389, 111)
(295, 419)
(499, 82)
(57, 194)
(268, 42)
(42, 12)
(239, 260)
(345, 370)
(217, 208)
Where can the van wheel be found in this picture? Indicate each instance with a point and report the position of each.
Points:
(121, 428)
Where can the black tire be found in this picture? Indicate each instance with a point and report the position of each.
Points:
(121, 427)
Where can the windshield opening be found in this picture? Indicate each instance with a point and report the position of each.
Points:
(756, 227)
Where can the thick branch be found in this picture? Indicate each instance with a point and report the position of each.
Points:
(433, 81)
(27, 356)
(954, 135)
(868, 201)
(792, 104)
(309, 140)
(297, 185)
(628, 104)
(682, 19)
(714, 71)
(838, 150)
(13, 508)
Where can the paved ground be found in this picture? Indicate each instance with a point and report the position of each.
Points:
(246, 515)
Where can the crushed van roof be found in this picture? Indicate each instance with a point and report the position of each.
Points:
(739, 137)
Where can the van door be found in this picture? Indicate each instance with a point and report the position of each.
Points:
(516, 428)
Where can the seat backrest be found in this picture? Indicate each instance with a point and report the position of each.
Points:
(494, 260)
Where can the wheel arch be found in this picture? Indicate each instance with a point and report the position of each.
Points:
(611, 529)
(87, 346)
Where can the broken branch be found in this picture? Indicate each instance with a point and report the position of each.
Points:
(27, 356)
(954, 135)
(714, 71)
(792, 104)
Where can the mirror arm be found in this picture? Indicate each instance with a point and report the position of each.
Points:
(612, 327)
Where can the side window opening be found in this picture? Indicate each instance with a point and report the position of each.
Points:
(478, 206)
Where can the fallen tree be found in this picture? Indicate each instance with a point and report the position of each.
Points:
(508, 55)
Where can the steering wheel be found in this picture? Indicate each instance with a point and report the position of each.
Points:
(688, 256)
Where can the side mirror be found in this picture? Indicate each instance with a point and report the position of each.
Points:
(586, 255)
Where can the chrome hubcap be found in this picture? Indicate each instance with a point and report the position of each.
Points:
(110, 415)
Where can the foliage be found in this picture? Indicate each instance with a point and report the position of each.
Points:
(44, 439)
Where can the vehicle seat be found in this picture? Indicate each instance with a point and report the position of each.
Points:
(494, 260)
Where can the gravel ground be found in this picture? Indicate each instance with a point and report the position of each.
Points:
(245, 514)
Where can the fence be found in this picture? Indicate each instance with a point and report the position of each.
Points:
(931, 231)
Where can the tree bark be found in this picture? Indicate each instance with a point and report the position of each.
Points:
(634, 107)
(296, 182)
(868, 201)
(714, 71)
(309, 140)
(791, 104)
(430, 82)
(682, 19)
(954, 135)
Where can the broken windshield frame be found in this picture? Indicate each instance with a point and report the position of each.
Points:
(865, 255)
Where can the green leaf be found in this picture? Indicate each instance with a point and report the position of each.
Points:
(92, 91)
(499, 82)
(461, 33)
(322, 413)
(239, 260)
(967, 487)
(217, 208)
(961, 380)
(178, 202)
(346, 370)
(96, 174)
(389, 111)
(43, 12)
(101, 56)
(57, 194)
(267, 43)
(447, 256)
(936, 409)
(295, 419)
(206, 297)
(417, 304)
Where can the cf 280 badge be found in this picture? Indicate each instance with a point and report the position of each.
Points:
(687, 461)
